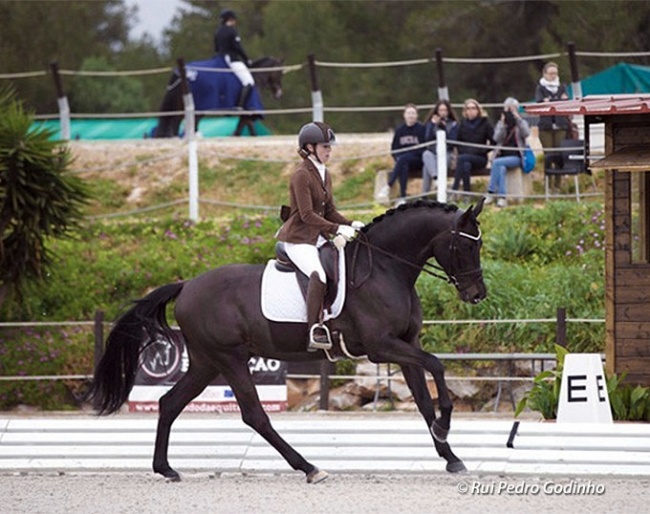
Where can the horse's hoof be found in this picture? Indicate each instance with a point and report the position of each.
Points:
(456, 467)
(316, 476)
(169, 474)
(439, 434)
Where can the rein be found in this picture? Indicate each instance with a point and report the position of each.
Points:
(427, 268)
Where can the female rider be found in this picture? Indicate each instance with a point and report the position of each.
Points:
(312, 221)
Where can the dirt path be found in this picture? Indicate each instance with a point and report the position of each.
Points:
(236, 493)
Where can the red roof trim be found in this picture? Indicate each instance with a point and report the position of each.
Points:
(594, 104)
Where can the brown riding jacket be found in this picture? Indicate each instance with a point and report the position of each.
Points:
(312, 209)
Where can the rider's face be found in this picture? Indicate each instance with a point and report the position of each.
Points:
(323, 152)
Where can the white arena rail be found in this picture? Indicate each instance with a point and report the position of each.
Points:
(366, 443)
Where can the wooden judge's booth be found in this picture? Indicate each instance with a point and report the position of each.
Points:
(627, 211)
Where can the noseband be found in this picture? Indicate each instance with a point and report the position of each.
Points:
(453, 248)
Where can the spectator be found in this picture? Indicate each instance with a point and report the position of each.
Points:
(311, 220)
(474, 128)
(552, 129)
(510, 134)
(408, 134)
(228, 44)
(441, 117)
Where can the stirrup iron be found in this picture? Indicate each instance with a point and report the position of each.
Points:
(318, 345)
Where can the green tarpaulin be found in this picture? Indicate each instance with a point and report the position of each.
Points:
(139, 128)
(618, 79)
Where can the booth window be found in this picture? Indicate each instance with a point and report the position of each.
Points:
(640, 216)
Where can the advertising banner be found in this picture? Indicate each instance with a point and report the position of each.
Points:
(164, 362)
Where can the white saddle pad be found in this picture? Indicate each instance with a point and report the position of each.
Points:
(282, 299)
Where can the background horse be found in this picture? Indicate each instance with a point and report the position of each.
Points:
(220, 316)
(217, 91)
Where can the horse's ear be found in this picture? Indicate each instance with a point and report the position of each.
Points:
(466, 216)
(479, 207)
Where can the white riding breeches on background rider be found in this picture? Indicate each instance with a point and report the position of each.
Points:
(241, 72)
(306, 257)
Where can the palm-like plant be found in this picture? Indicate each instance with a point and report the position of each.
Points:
(38, 199)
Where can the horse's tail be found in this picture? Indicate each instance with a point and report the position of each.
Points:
(116, 371)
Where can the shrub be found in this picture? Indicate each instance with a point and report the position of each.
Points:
(38, 352)
(527, 272)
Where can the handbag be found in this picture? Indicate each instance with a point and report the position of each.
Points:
(528, 160)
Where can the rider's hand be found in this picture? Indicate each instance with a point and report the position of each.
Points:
(346, 231)
(358, 224)
(339, 241)
(249, 63)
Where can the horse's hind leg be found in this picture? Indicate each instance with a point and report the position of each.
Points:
(171, 405)
(236, 372)
(416, 382)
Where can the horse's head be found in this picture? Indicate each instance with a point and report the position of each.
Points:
(461, 258)
(269, 79)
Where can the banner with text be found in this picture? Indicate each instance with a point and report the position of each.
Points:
(164, 362)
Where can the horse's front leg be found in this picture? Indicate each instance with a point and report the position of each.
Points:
(416, 382)
(236, 372)
(404, 354)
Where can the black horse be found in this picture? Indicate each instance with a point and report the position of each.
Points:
(221, 319)
(217, 91)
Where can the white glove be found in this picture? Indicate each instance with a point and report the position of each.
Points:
(346, 231)
(358, 224)
(339, 241)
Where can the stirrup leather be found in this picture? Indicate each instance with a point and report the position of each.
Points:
(319, 345)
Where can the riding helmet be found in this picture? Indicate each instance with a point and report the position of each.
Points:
(314, 133)
(227, 14)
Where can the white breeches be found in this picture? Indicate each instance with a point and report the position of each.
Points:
(241, 72)
(305, 256)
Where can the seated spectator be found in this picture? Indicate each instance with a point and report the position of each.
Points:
(408, 134)
(510, 134)
(441, 117)
(474, 128)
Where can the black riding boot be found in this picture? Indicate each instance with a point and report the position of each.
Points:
(318, 333)
(243, 96)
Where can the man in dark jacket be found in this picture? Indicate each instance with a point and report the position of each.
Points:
(228, 44)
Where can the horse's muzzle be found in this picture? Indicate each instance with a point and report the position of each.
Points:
(473, 293)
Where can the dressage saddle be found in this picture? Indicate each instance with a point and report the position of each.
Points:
(329, 258)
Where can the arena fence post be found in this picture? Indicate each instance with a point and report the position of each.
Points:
(325, 369)
(575, 76)
(99, 336)
(441, 151)
(443, 90)
(560, 330)
(192, 151)
(62, 100)
(316, 93)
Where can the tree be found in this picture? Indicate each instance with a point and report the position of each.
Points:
(37, 199)
(105, 94)
(33, 34)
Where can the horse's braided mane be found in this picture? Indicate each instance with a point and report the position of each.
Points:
(262, 61)
(418, 204)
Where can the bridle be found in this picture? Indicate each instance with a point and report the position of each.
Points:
(432, 269)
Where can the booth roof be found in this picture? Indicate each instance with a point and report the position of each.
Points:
(594, 105)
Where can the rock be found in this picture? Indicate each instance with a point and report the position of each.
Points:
(342, 399)
(463, 388)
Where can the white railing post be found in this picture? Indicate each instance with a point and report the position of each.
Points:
(62, 101)
(192, 150)
(316, 94)
(441, 159)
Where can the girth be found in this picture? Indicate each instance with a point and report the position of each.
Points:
(329, 258)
